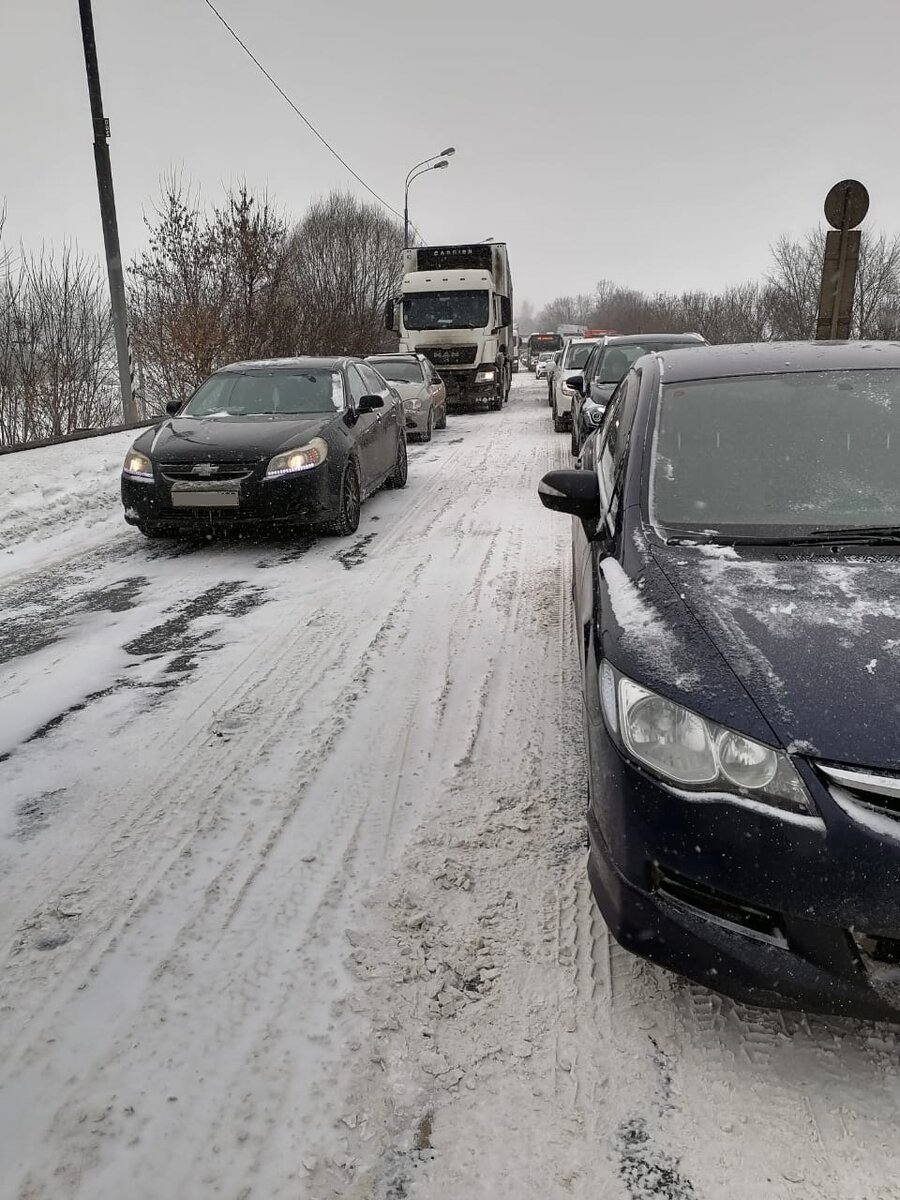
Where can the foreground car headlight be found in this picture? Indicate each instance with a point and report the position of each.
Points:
(687, 749)
(137, 465)
(304, 458)
(593, 415)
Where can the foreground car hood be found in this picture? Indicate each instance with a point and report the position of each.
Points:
(814, 638)
(230, 439)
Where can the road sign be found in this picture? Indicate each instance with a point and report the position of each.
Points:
(846, 204)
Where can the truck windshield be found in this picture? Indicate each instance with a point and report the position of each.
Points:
(446, 310)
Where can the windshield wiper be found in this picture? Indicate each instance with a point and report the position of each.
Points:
(863, 535)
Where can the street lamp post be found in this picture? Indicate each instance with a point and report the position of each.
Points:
(427, 164)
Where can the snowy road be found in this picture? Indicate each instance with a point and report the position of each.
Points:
(292, 882)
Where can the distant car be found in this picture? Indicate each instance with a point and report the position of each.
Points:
(421, 389)
(574, 356)
(298, 442)
(736, 525)
(608, 362)
(552, 367)
(543, 362)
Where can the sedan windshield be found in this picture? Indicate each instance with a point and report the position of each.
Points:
(398, 370)
(614, 362)
(446, 310)
(776, 455)
(577, 356)
(302, 392)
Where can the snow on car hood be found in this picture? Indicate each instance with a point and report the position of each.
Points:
(813, 637)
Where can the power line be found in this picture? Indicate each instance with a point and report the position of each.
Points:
(304, 119)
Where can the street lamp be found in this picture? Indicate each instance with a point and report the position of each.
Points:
(427, 164)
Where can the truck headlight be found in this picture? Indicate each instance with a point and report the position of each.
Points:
(485, 375)
(137, 465)
(304, 458)
(684, 748)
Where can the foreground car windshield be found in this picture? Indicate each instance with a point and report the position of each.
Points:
(303, 392)
(446, 310)
(773, 455)
(399, 371)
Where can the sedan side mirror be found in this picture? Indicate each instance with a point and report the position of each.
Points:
(575, 492)
(576, 382)
(174, 407)
(369, 404)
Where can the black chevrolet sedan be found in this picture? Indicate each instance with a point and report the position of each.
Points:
(286, 442)
(737, 596)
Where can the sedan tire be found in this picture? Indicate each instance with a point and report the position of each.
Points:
(351, 503)
(576, 447)
(442, 419)
(400, 473)
(429, 427)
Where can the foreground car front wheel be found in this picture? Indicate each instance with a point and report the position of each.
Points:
(400, 473)
(348, 518)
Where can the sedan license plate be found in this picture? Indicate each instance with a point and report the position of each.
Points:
(204, 495)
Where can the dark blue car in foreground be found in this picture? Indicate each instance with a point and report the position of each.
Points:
(736, 582)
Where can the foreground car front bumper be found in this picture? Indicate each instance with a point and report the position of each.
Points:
(307, 498)
(768, 909)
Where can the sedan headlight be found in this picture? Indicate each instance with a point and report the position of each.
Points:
(304, 458)
(687, 749)
(137, 465)
(414, 404)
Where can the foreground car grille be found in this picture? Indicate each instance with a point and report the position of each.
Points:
(878, 791)
(449, 356)
(211, 471)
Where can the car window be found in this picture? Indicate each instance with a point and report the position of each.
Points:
(616, 437)
(399, 370)
(268, 393)
(358, 388)
(577, 356)
(375, 385)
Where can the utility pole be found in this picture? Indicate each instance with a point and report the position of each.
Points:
(108, 211)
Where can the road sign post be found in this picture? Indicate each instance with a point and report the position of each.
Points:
(845, 207)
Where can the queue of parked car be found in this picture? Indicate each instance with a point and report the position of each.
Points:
(736, 565)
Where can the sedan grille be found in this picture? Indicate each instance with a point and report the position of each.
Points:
(196, 471)
(878, 791)
(450, 356)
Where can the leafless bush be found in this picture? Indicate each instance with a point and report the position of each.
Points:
(57, 359)
(345, 264)
(211, 288)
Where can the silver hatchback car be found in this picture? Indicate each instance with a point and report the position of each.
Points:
(421, 389)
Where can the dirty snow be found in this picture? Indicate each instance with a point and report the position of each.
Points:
(292, 884)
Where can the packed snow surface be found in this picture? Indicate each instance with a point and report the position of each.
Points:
(292, 874)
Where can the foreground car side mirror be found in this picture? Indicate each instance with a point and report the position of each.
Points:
(570, 491)
(174, 407)
(369, 404)
(576, 382)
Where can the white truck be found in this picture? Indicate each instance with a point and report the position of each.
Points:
(455, 307)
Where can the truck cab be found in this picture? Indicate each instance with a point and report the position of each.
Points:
(455, 307)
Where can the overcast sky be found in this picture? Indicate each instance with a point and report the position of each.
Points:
(661, 145)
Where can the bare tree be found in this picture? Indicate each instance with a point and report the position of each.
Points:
(209, 289)
(345, 265)
(57, 361)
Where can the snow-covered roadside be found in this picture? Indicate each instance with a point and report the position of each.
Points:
(303, 914)
(56, 499)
